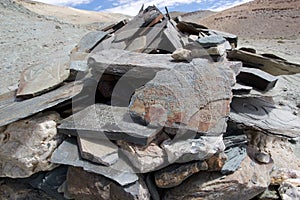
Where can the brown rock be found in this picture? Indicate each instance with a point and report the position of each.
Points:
(247, 182)
(196, 95)
(216, 162)
(174, 175)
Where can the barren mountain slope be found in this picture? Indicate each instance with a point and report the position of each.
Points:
(71, 15)
(259, 19)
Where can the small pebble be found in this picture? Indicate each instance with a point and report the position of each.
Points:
(263, 158)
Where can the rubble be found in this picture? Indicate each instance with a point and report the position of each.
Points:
(156, 109)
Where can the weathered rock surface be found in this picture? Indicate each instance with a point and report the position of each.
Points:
(145, 159)
(211, 41)
(99, 151)
(257, 78)
(258, 114)
(235, 157)
(101, 121)
(68, 154)
(39, 79)
(85, 185)
(27, 145)
(272, 66)
(90, 41)
(193, 149)
(174, 175)
(138, 64)
(248, 181)
(195, 95)
(12, 110)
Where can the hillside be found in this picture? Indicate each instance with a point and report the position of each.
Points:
(70, 15)
(259, 19)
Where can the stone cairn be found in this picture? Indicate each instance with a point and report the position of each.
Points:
(155, 108)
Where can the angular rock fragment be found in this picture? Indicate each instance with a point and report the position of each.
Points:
(257, 78)
(26, 146)
(235, 157)
(211, 41)
(216, 162)
(99, 151)
(114, 27)
(90, 41)
(101, 121)
(272, 66)
(174, 175)
(12, 111)
(247, 182)
(68, 154)
(257, 114)
(182, 55)
(193, 95)
(193, 149)
(145, 159)
(239, 89)
(85, 185)
(39, 79)
(140, 65)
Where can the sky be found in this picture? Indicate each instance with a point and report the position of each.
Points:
(131, 7)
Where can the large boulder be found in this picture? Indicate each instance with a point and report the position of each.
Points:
(27, 145)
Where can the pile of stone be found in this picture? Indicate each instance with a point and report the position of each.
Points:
(155, 108)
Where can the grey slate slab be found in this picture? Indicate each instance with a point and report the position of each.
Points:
(15, 110)
(258, 114)
(68, 154)
(101, 121)
(257, 78)
(90, 40)
(235, 157)
(211, 41)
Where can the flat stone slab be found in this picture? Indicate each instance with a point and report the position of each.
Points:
(119, 62)
(39, 79)
(90, 41)
(272, 66)
(101, 121)
(255, 113)
(12, 110)
(235, 157)
(257, 78)
(99, 151)
(194, 95)
(211, 41)
(68, 154)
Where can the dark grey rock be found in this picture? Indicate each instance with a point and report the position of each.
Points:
(257, 78)
(211, 41)
(258, 114)
(235, 157)
(101, 121)
(16, 110)
(68, 154)
(90, 40)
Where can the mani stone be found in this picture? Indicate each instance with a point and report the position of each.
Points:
(98, 150)
(68, 154)
(39, 79)
(257, 78)
(260, 115)
(174, 175)
(193, 149)
(86, 185)
(272, 66)
(193, 95)
(27, 145)
(101, 121)
(12, 110)
(247, 182)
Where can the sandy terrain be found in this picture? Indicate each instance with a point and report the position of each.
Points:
(71, 15)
